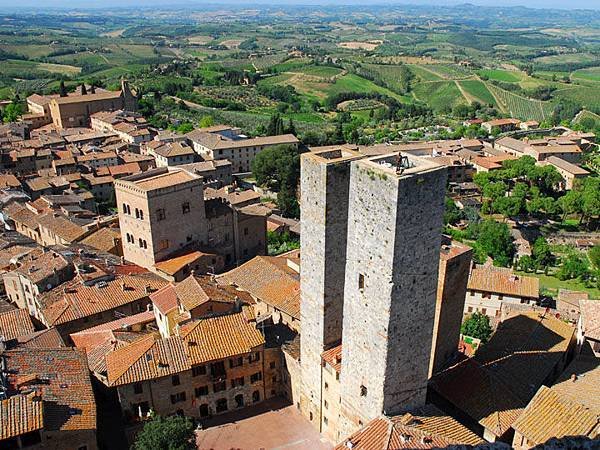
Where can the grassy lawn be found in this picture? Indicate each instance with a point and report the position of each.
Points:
(552, 284)
(500, 75)
(478, 90)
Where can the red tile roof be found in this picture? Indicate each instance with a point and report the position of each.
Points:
(62, 379)
(15, 323)
(200, 342)
(269, 279)
(20, 414)
(423, 428)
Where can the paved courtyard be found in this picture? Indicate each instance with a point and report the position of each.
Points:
(272, 425)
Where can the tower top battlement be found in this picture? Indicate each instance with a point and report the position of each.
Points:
(333, 156)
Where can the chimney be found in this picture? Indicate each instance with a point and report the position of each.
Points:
(123, 286)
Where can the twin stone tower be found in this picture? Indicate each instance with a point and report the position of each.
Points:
(370, 248)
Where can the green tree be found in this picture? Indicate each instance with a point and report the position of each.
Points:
(278, 168)
(275, 126)
(452, 213)
(206, 121)
(169, 433)
(594, 255)
(185, 127)
(12, 112)
(541, 253)
(497, 242)
(83, 89)
(526, 263)
(62, 90)
(574, 266)
(477, 325)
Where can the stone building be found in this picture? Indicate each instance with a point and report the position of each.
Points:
(455, 264)
(184, 374)
(75, 110)
(38, 273)
(325, 182)
(227, 143)
(160, 212)
(490, 390)
(491, 287)
(163, 215)
(394, 237)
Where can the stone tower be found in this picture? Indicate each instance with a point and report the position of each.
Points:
(325, 179)
(394, 235)
(455, 265)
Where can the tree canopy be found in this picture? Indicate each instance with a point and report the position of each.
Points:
(495, 240)
(278, 168)
(166, 433)
(477, 325)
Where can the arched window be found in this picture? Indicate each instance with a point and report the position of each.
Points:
(256, 396)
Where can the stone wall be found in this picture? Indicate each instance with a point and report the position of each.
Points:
(394, 238)
(325, 179)
(455, 266)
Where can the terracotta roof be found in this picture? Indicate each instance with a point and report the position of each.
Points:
(200, 342)
(269, 279)
(171, 149)
(333, 356)
(423, 428)
(78, 301)
(38, 267)
(165, 299)
(566, 166)
(173, 265)
(103, 239)
(91, 336)
(74, 98)
(49, 338)
(590, 317)
(15, 323)
(497, 383)
(503, 282)
(500, 122)
(215, 141)
(21, 215)
(12, 255)
(61, 226)
(9, 181)
(96, 156)
(220, 337)
(20, 414)
(164, 180)
(551, 415)
(66, 391)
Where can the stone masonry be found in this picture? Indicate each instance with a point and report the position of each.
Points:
(394, 238)
(325, 180)
(455, 265)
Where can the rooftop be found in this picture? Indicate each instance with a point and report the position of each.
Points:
(15, 323)
(506, 373)
(269, 279)
(61, 378)
(75, 301)
(503, 282)
(423, 428)
(159, 179)
(199, 342)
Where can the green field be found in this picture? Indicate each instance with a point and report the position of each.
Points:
(449, 71)
(591, 74)
(319, 71)
(520, 107)
(442, 96)
(13, 67)
(423, 73)
(479, 91)
(588, 97)
(500, 75)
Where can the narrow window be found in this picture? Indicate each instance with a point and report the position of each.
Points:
(361, 281)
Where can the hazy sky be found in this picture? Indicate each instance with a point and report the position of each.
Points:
(562, 4)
